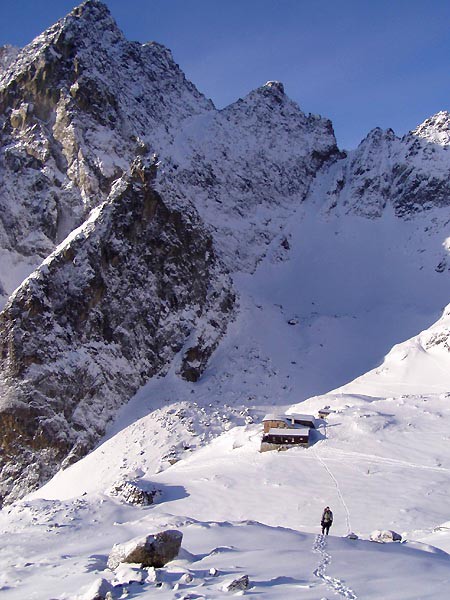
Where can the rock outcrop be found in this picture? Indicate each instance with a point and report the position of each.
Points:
(237, 585)
(409, 174)
(149, 551)
(76, 106)
(106, 311)
(134, 492)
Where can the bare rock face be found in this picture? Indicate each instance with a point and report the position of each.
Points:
(410, 174)
(76, 105)
(149, 551)
(106, 311)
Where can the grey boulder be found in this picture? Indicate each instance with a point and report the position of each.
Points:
(237, 585)
(153, 550)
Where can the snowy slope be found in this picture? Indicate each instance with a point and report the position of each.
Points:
(383, 437)
(281, 563)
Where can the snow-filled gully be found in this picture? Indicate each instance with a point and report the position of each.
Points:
(336, 585)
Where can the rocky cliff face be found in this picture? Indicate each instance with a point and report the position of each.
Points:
(81, 101)
(105, 312)
(249, 167)
(76, 106)
(409, 174)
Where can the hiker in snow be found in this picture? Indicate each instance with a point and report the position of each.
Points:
(327, 520)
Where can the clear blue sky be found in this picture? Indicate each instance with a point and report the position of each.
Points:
(362, 63)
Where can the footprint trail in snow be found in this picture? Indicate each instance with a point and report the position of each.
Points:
(336, 585)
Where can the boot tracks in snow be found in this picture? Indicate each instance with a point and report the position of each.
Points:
(334, 584)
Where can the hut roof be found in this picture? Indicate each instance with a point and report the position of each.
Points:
(273, 417)
(300, 417)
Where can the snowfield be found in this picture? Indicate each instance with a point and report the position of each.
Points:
(381, 461)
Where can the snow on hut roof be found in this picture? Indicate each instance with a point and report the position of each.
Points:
(273, 417)
(299, 417)
(298, 431)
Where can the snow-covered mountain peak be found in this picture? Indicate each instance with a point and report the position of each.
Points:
(276, 87)
(378, 135)
(76, 106)
(91, 10)
(89, 26)
(267, 98)
(410, 174)
(249, 167)
(435, 129)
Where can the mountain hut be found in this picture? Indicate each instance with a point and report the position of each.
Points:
(284, 438)
(302, 420)
(275, 422)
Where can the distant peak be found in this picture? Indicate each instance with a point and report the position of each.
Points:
(275, 86)
(377, 135)
(435, 129)
(90, 8)
(92, 14)
(272, 92)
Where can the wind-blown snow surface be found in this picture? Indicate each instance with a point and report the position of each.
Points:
(382, 461)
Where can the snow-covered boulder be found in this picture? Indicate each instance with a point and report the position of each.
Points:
(134, 492)
(352, 536)
(101, 589)
(385, 535)
(153, 550)
(129, 573)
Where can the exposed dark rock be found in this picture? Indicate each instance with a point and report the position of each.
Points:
(134, 492)
(107, 311)
(237, 585)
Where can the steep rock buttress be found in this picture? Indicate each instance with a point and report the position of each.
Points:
(105, 312)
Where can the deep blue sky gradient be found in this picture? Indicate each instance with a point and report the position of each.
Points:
(362, 63)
